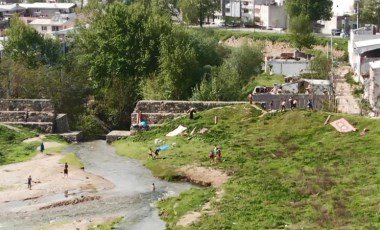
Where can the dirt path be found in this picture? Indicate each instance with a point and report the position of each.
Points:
(344, 93)
(203, 175)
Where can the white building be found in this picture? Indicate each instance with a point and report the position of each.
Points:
(269, 12)
(51, 25)
(374, 85)
(363, 47)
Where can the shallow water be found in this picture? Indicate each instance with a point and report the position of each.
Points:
(131, 197)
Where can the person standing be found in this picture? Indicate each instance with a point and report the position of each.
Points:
(291, 103)
(42, 147)
(151, 153)
(310, 104)
(66, 170)
(30, 182)
(271, 105)
(26, 115)
(153, 187)
(212, 156)
(191, 111)
(283, 103)
(250, 98)
(139, 117)
(294, 103)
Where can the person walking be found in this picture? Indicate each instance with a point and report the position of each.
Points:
(153, 187)
(212, 156)
(66, 170)
(42, 147)
(30, 182)
(150, 154)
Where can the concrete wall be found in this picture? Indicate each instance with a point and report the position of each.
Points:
(301, 100)
(288, 67)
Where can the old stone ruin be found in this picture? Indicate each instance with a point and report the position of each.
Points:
(37, 114)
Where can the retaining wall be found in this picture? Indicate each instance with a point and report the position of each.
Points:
(155, 112)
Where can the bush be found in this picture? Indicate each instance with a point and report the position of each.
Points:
(90, 126)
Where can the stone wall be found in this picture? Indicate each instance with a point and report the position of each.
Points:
(26, 104)
(62, 124)
(155, 112)
(34, 113)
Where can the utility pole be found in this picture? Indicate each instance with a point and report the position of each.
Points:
(357, 14)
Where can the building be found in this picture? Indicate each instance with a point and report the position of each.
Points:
(52, 25)
(374, 86)
(263, 12)
(363, 47)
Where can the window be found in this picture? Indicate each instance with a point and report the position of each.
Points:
(55, 28)
(227, 10)
(245, 11)
(43, 28)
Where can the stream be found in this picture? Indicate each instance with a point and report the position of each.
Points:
(132, 196)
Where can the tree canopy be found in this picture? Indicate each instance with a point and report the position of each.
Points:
(196, 11)
(369, 12)
(314, 9)
(301, 32)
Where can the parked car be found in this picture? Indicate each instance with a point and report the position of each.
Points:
(269, 27)
(336, 32)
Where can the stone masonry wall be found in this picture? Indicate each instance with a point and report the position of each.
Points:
(159, 111)
(62, 124)
(26, 104)
(35, 113)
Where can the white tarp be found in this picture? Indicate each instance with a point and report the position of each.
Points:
(177, 131)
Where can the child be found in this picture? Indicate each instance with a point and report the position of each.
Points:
(219, 154)
(151, 153)
(212, 156)
(157, 151)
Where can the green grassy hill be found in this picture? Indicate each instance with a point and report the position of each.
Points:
(288, 170)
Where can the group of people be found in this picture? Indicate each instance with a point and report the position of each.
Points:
(65, 174)
(293, 104)
(215, 153)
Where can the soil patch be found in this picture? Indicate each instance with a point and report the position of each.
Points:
(203, 175)
(47, 176)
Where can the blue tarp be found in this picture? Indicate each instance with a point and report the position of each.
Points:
(163, 147)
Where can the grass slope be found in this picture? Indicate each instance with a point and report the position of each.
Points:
(12, 149)
(288, 169)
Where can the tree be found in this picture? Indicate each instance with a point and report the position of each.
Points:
(196, 11)
(25, 44)
(222, 84)
(314, 9)
(320, 67)
(369, 12)
(121, 47)
(300, 32)
(247, 60)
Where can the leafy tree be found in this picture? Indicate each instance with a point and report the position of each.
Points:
(247, 60)
(301, 32)
(314, 9)
(196, 11)
(222, 84)
(320, 67)
(121, 46)
(25, 44)
(369, 12)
